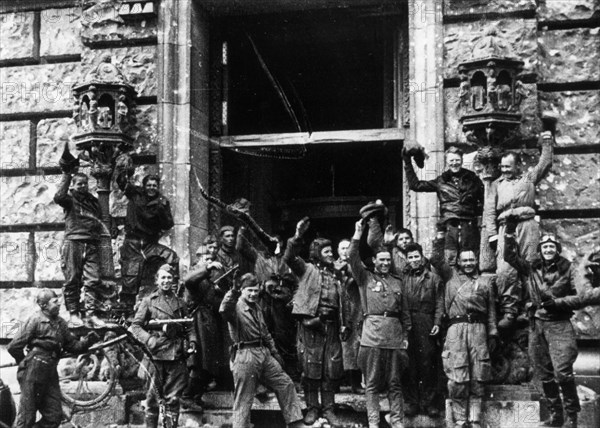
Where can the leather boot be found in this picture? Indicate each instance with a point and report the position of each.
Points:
(151, 420)
(475, 412)
(552, 395)
(172, 417)
(571, 401)
(328, 399)
(311, 396)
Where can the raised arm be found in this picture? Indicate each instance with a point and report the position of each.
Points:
(245, 248)
(356, 267)
(414, 183)
(227, 309)
(511, 250)
(62, 196)
(290, 257)
(538, 171)
(490, 215)
(438, 259)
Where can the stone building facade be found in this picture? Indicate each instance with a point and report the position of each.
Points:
(193, 64)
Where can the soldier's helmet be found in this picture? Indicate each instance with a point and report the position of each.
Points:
(549, 237)
(314, 251)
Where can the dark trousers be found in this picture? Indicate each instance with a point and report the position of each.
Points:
(173, 376)
(81, 267)
(137, 253)
(40, 391)
(420, 380)
(460, 235)
(383, 369)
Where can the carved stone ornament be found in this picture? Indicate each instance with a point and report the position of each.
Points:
(490, 93)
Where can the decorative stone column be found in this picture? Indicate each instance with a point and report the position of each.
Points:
(104, 112)
(426, 111)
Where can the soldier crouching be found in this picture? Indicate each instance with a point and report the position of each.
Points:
(167, 345)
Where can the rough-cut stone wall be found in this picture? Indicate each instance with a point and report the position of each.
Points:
(42, 53)
(559, 42)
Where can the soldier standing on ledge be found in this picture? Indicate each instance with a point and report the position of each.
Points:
(382, 356)
(148, 217)
(317, 304)
(513, 194)
(167, 345)
(470, 305)
(552, 344)
(255, 358)
(80, 254)
(45, 335)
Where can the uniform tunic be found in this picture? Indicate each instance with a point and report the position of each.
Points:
(45, 338)
(382, 356)
(169, 353)
(514, 197)
(253, 364)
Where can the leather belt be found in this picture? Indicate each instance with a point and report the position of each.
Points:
(469, 318)
(249, 344)
(387, 314)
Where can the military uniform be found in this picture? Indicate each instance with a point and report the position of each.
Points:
(552, 342)
(254, 361)
(146, 220)
(80, 255)
(514, 197)
(424, 292)
(384, 339)
(470, 304)
(319, 349)
(169, 352)
(45, 339)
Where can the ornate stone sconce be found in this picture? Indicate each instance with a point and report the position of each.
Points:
(105, 115)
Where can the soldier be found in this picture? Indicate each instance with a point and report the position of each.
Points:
(513, 194)
(424, 292)
(227, 254)
(167, 345)
(255, 357)
(204, 298)
(384, 339)
(262, 263)
(460, 193)
(353, 314)
(80, 255)
(552, 344)
(148, 217)
(469, 303)
(317, 304)
(45, 335)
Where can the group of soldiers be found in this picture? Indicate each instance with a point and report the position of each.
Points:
(376, 315)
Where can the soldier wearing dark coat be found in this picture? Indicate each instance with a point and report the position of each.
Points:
(461, 194)
(424, 291)
(80, 254)
(382, 356)
(45, 335)
(169, 347)
(470, 305)
(317, 305)
(148, 217)
(552, 342)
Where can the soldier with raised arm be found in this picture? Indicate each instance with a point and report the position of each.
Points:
(513, 194)
(255, 358)
(317, 305)
(382, 356)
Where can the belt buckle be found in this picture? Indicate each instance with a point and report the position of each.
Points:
(385, 314)
(470, 318)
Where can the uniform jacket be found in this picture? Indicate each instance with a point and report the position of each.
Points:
(306, 298)
(515, 196)
(424, 292)
(380, 294)
(554, 280)
(159, 306)
(460, 199)
(82, 213)
(40, 334)
(146, 218)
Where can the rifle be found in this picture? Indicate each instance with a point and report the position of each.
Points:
(226, 274)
